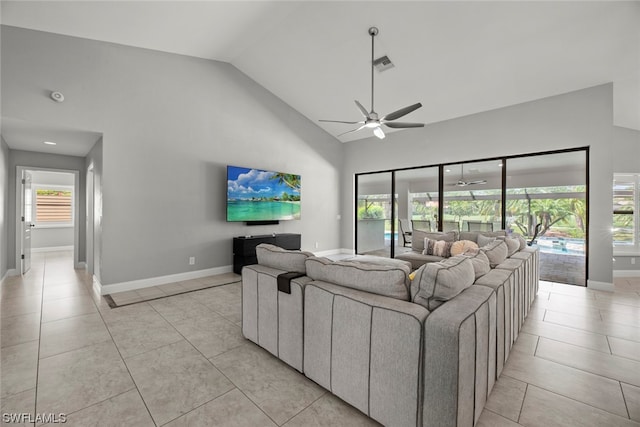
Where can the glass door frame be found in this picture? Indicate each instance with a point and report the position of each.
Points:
(441, 168)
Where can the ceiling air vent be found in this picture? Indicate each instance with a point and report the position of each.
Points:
(383, 63)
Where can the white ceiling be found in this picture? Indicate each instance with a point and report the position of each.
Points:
(22, 135)
(457, 58)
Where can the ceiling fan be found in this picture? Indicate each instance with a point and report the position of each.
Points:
(462, 183)
(371, 118)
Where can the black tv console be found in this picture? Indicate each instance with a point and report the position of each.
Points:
(244, 247)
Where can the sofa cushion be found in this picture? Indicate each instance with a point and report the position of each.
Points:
(417, 238)
(388, 280)
(416, 259)
(481, 264)
(462, 246)
(496, 251)
(513, 245)
(282, 259)
(438, 282)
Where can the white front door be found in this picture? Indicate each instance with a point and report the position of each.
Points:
(27, 220)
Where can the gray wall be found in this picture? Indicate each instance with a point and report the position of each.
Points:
(170, 126)
(626, 148)
(34, 160)
(4, 207)
(577, 119)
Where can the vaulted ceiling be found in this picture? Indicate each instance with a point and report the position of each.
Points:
(456, 58)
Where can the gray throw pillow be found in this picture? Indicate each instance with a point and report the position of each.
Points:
(282, 259)
(438, 282)
(485, 240)
(496, 251)
(481, 264)
(521, 240)
(513, 245)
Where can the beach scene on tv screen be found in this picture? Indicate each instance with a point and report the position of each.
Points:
(259, 195)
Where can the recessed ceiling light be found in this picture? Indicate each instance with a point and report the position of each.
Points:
(499, 165)
(50, 143)
(447, 170)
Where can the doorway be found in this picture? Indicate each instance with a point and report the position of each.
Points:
(47, 213)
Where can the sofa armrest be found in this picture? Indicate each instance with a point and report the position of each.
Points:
(270, 318)
(459, 358)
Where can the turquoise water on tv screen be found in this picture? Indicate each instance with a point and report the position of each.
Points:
(258, 210)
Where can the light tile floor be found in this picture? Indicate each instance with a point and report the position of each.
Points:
(182, 360)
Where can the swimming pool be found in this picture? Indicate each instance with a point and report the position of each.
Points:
(560, 245)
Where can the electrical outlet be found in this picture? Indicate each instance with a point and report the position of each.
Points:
(633, 260)
(192, 260)
(317, 245)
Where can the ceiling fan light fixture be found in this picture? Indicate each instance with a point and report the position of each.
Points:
(377, 131)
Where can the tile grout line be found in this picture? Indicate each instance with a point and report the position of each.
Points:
(624, 399)
(212, 364)
(35, 400)
(124, 363)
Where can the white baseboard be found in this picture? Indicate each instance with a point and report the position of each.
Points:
(626, 273)
(10, 272)
(338, 251)
(160, 280)
(600, 286)
(97, 286)
(52, 249)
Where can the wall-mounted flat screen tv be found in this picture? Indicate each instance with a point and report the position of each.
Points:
(261, 195)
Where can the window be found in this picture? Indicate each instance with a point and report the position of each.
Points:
(53, 206)
(626, 189)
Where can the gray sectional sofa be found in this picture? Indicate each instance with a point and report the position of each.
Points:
(421, 349)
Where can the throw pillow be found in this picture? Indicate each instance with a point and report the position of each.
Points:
(461, 246)
(438, 282)
(481, 264)
(437, 248)
(513, 245)
(485, 240)
(521, 240)
(496, 251)
(282, 259)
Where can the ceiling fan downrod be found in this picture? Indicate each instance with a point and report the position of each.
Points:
(373, 32)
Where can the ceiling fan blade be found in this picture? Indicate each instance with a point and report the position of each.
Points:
(402, 125)
(401, 112)
(362, 110)
(352, 130)
(340, 121)
(481, 181)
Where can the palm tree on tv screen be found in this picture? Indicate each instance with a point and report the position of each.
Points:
(290, 180)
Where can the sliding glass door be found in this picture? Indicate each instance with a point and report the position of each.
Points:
(417, 200)
(373, 214)
(547, 194)
(541, 196)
